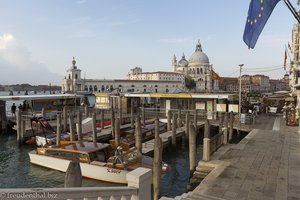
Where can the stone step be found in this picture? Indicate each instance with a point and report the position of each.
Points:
(197, 196)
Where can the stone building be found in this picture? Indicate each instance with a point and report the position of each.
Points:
(137, 74)
(73, 82)
(199, 69)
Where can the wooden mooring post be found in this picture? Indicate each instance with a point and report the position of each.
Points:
(86, 111)
(94, 127)
(132, 114)
(157, 162)
(120, 109)
(174, 128)
(230, 127)
(179, 119)
(113, 128)
(169, 116)
(71, 125)
(79, 126)
(225, 141)
(143, 115)
(187, 124)
(19, 127)
(102, 119)
(192, 148)
(117, 132)
(65, 118)
(58, 129)
(138, 136)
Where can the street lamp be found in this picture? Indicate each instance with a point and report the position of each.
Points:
(240, 88)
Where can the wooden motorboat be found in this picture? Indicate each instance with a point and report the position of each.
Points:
(96, 160)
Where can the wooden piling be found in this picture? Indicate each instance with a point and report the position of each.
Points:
(206, 129)
(192, 148)
(79, 126)
(102, 118)
(179, 121)
(174, 128)
(94, 127)
(187, 126)
(225, 141)
(169, 115)
(113, 123)
(143, 115)
(23, 121)
(19, 127)
(131, 113)
(86, 111)
(120, 109)
(138, 136)
(221, 122)
(43, 112)
(117, 132)
(71, 125)
(230, 127)
(195, 118)
(157, 162)
(65, 119)
(58, 129)
(73, 177)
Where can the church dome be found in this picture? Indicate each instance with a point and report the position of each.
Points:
(183, 62)
(198, 57)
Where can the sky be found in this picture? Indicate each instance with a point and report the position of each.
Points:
(38, 38)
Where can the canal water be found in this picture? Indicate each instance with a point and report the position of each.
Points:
(17, 172)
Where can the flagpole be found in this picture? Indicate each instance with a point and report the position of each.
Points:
(292, 9)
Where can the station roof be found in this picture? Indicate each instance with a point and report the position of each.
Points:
(180, 95)
(40, 97)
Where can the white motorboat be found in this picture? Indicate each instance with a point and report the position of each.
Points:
(96, 160)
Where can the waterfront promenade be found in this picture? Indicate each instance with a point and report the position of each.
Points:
(264, 165)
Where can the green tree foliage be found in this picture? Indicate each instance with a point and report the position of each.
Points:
(189, 83)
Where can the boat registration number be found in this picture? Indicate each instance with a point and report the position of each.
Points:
(116, 171)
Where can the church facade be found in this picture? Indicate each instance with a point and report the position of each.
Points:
(199, 69)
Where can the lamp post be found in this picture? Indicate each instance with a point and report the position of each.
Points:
(240, 88)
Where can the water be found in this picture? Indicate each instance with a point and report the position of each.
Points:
(17, 172)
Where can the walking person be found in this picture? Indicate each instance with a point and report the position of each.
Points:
(13, 109)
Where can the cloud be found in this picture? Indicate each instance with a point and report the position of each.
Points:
(17, 66)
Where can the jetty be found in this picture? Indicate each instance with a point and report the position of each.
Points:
(264, 165)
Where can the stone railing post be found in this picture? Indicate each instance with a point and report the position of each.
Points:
(140, 178)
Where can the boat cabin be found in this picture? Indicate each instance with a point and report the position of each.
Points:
(84, 151)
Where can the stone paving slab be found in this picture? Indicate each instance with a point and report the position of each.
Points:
(264, 165)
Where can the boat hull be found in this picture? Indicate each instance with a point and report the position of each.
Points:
(96, 171)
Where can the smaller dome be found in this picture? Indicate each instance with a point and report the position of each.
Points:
(183, 62)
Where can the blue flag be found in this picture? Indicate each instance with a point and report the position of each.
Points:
(258, 15)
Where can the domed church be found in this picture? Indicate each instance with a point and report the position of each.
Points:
(199, 69)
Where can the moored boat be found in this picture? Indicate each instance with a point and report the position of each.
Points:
(96, 160)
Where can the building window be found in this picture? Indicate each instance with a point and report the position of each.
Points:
(145, 90)
(132, 85)
(69, 76)
(167, 90)
(102, 88)
(156, 90)
(76, 76)
(201, 71)
(86, 88)
(95, 88)
(198, 71)
(155, 86)
(91, 88)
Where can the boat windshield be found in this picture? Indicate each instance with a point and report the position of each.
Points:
(97, 156)
(83, 157)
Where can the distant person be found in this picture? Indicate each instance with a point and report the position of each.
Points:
(13, 109)
(20, 107)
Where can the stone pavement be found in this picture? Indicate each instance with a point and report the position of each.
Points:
(265, 165)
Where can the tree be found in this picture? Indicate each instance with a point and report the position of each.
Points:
(189, 82)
